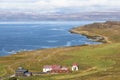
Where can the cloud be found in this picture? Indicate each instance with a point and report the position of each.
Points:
(14, 1)
(55, 5)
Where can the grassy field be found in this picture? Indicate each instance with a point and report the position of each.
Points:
(96, 62)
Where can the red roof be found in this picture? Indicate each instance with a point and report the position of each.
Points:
(64, 68)
(54, 67)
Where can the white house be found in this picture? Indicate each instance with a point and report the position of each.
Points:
(75, 67)
(47, 68)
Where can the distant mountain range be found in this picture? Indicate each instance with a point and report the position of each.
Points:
(30, 16)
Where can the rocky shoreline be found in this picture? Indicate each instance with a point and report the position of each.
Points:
(106, 32)
(97, 38)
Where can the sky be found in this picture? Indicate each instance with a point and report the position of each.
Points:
(60, 5)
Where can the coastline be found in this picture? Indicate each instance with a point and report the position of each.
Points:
(96, 38)
(93, 37)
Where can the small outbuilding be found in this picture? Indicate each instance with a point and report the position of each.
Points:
(20, 72)
(75, 67)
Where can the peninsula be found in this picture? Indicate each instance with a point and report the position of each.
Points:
(96, 62)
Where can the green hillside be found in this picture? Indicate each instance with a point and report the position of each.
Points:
(96, 62)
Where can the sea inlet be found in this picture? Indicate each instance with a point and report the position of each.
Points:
(23, 36)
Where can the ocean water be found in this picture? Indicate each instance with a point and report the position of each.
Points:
(22, 36)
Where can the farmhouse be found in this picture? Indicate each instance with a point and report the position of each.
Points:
(55, 69)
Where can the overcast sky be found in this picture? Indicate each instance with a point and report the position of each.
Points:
(60, 5)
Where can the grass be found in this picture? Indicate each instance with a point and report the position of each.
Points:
(91, 59)
(2, 70)
(96, 62)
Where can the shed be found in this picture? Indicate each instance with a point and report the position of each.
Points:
(75, 67)
(22, 72)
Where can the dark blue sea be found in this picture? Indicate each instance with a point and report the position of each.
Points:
(22, 36)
